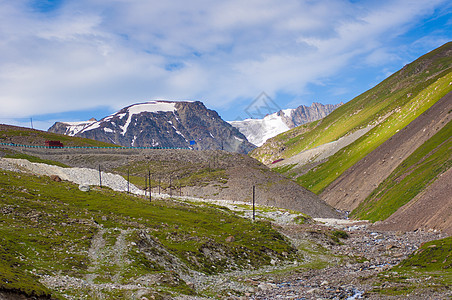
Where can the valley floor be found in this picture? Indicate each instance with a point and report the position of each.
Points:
(342, 259)
(366, 256)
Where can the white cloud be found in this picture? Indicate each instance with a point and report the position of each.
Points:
(95, 53)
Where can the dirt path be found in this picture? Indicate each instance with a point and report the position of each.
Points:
(94, 254)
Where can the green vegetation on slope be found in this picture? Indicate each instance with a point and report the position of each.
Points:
(181, 173)
(48, 228)
(430, 267)
(319, 178)
(13, 272)
(366, 109)
(27, 136)
(418, 171)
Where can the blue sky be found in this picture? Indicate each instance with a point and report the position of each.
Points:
(70, 60)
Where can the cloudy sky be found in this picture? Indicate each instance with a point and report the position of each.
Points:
(72, 60)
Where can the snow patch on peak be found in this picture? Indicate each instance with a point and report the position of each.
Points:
(288, 112)
(257, 131)
(151, 106)
(75, 127)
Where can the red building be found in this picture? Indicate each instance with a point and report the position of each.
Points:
(54, 144)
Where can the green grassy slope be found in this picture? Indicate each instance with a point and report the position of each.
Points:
(390, 105)
(319, 178)
(427, 269)
(27, 136)
(47, 229)
(418, 171)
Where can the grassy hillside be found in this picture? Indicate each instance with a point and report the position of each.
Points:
(429, 268)
(319, 178)
(52, 230)
(417, 172)
(389, 106)
(27, 136)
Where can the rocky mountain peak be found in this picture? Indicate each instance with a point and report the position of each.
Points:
(257, 131)
(159, 123)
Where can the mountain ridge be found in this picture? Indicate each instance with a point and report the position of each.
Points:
(162, 123)
(387, 166)
(371, 107)
(257, 131)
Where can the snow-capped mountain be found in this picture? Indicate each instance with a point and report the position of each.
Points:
(72, 128)
(257, 131)
(162, 124)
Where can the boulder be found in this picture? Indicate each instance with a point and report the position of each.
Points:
(84, 187)
(55, 178)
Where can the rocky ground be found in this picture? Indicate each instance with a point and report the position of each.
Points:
(341, 268)
(236, 174)
(365, 254)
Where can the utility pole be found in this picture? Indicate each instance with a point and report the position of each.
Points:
(254, 210)
(150, 187)
(128, 183)
(100, 177)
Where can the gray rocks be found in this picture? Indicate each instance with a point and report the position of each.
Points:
(55, 178)
(230, 239)
(84, 187)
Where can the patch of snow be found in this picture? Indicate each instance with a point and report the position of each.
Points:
(257, 131)
(152, 107)
(108, 118)
(288, 112)
(211, 135)
(91, 127)
(179, 133)
(75, 127)
(133, 141)
(106, 129)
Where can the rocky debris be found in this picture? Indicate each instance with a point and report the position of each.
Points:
(82, 176)
(55, 178)
(239, 174)
(364, 254)
(351, 279)
(84, 187)
(230, 239)
(9, 166)
(359, 258)
(429, 210)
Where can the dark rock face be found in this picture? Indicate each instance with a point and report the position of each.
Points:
(305, 114)
(165, 124)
